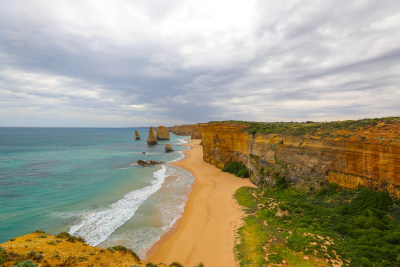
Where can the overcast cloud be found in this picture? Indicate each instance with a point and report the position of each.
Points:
(158, 62)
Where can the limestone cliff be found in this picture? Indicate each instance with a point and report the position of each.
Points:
(152, 139)
(162, 133)
(185, 129)
(367, 156)
(196, 132)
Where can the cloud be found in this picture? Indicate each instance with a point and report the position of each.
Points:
(126, 63)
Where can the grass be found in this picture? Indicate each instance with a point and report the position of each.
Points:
(312, 128)
(350, 227)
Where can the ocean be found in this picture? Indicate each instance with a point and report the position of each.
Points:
(85, 181)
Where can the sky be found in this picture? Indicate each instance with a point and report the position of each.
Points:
(123, 63)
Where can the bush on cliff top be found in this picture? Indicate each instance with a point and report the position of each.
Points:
(310, 127)
(237, 168)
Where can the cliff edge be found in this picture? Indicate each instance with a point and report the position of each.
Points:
(363, 153)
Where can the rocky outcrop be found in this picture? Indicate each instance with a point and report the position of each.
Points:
(137, 135)
(168, 148)
(41, 248)
(350, 162)
(148, 164)
(162, 133)
(185, 129)
(152, 139)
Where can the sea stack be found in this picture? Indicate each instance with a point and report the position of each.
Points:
(137, 135)
(168, 148)
(152, 140)
(162, 133)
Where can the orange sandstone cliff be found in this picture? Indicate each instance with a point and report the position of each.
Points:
(367, 156)
(185, 129)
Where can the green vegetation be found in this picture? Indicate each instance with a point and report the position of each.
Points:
(124, 249)
(70, 238)
(175, 264)
(237, 168)
(3, 255)
(312, 128)
(26, 263)
(351, 227)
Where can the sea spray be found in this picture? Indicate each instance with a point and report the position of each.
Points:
(96, 226)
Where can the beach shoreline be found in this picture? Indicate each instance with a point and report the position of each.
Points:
(206, 232)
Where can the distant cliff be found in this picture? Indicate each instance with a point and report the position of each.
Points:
(185, 129)
(351, 153)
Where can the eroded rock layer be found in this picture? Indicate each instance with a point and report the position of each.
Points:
(137, 135)
(152, 139)
(162, 133)
(351, 162)
(196, 132)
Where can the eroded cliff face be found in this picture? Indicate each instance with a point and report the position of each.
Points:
(152, 139)
(349, 162)
(197, 131)
(185, 129)
(162, 133)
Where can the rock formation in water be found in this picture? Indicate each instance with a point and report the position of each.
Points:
(152, 139)
(148, 164)
(162, 133)
(143, 163)
(168, 148)
(137, 135)
(367, 155)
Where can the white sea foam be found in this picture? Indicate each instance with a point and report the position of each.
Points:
(181, 142)
(182, 156)
(96, 226)
(70, 214)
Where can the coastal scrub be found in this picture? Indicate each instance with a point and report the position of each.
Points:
(352, 227)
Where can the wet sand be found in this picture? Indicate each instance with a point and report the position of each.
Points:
(207, 230)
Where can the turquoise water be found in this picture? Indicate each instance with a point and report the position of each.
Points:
(85, 181)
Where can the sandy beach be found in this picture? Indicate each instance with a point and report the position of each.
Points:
(207, 230)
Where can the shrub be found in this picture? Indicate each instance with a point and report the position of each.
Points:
(135, 255)
(80, 259)
(329, 189)
(124, 249)
(26, 263)
(71, 238)
(244, 173)
(120, 248)
(3, 255)
(175, 264)
(37, 256)
(275, 258)
(237, 168)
